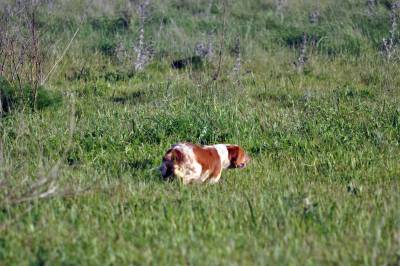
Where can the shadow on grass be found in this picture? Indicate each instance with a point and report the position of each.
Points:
(130, 98)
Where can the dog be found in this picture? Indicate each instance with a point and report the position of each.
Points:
(198, 164)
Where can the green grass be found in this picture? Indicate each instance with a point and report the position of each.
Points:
(322, 188)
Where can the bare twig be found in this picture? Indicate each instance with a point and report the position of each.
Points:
(142, 52)
(22, 56)
(34, 58)
(222, 43)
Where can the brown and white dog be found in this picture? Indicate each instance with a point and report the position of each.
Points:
(196, 164)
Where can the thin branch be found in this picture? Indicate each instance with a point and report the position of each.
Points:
(222, 42)
(51, 191)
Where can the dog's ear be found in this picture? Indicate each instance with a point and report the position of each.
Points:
(176, 156)
(173, 155)
(237, 156)
(233, 154)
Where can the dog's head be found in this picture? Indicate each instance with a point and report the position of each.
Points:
(237, 156)
(171, 157)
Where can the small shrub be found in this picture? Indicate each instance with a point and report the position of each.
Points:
(117, 74)
(12, 97)
(107, 46)
(291, 36)
(47, 98)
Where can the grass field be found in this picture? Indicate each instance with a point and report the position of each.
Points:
(322, 188)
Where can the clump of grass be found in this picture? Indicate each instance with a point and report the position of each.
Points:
(13, 98)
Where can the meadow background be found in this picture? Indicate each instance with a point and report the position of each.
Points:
(90, 101)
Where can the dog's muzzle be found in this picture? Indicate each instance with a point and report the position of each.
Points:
(166, 171)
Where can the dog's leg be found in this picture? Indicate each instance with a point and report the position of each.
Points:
(187, 181)
(214, 178)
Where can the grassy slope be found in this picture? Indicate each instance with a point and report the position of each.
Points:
(323, 186)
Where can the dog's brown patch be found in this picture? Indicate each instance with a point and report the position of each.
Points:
(209, 160)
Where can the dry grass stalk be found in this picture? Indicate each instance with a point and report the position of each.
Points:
(280, 7)
(222, 43)
(120, 52)
(238, 62)
(389, 44)
(59, 59)
(36, 61)
(209, 7)
(204, 49)
(371, 6)
(302, 59)
(142, 52)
